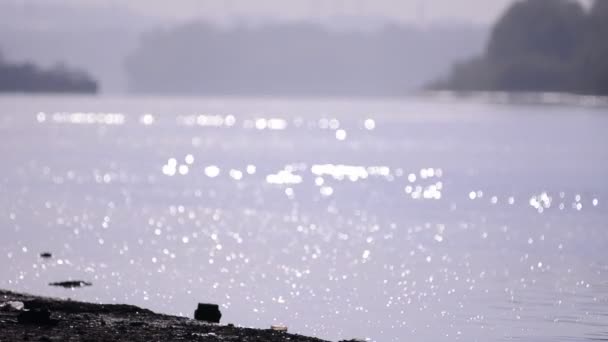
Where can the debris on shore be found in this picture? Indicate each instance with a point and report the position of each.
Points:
(71, 284)
(46, 255)
(279, 327)
(33, 318)
(11, 306)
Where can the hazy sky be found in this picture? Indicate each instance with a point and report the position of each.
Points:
(410, 11)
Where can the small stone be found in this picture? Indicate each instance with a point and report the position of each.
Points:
(12, 306)
(203, 334)
(208, 313)
(278, 327)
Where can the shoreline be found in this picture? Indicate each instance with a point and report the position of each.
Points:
(80, 321)
(549, 99)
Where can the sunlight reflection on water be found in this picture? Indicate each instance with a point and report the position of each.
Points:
(416, 220)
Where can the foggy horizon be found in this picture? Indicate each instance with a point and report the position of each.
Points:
(408, 12)
(99, 38)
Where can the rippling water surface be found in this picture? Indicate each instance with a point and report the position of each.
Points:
(390, 220)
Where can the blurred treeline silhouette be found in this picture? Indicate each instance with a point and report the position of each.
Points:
(541, 45)
(295, 59)
(27, 77)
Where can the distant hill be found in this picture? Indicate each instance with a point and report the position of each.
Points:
(26, 77)
(93, 38)
(295, 59)
(348, 55)
(541, 45)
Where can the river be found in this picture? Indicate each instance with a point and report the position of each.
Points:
(415, 219)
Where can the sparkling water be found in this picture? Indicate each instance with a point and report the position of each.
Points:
(417, 219)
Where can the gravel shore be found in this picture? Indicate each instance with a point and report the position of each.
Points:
(50, 319)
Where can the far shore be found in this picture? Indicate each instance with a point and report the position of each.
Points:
(431, 96)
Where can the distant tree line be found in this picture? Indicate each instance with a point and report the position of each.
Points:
(541, 45)
(294, 59)
(27, 77)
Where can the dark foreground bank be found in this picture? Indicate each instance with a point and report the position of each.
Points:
(50, 319)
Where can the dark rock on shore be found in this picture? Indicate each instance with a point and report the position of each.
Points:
(36, 316)
(208, 313)
(78, 321)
